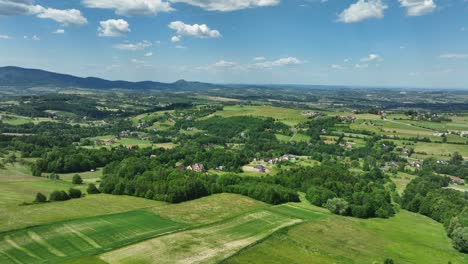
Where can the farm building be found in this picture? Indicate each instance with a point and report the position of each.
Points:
(198, 167)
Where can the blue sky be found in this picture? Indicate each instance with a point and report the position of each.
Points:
(410, 43)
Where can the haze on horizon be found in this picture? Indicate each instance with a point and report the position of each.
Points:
(404, 43)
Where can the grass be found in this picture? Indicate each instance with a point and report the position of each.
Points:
(208, 209)
(87, 236)
(405, 238)
(441, 150)
(18, 186)
(402, 179)
(288, 116)
(208, 244)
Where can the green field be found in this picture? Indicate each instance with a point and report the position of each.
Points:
(208, 209)
(406, 238)
(88, 236)
(204, 245)
(288, 116)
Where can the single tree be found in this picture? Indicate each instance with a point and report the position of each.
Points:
(77, 179)
(74, 193)
(92, 189)
(40, 198)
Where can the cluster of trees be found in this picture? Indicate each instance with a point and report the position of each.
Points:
(57, 196)
(144, 177)
(427, 195)
(335, 188)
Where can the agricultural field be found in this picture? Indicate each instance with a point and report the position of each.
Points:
(288, 116)
(196, 246)
(87, 236)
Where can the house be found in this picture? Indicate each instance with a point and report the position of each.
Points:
(415, 164)
(197, 167)
(442, 162)
(130, 147)
(260, 168)
(220, 168)
(287, 157)
(457, 180)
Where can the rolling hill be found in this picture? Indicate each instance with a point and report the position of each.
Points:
(29, 78)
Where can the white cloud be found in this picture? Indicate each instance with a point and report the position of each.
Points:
(362, 10)
(28, 8)
(59, 31)
(228, 5)
(278, 62)
(175, 39)
(195, 30)
(113, 28)
(361, 66)
(259, 58)
(5, 37)
(36, 38)
(131, 7)
(180, 47)
(148, 54)
(453, 56)
(337, 67)
(371, 57)
(134, 46)
(418, 7)
(223, 65)
(66, 17)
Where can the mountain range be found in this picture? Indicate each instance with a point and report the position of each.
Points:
(18, 77)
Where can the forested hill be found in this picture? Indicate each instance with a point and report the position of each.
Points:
(29, 78)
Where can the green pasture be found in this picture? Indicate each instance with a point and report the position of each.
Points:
(406, 238)
(288, 116)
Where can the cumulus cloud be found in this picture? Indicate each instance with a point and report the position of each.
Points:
(418, 7)
(59, 31)
(28, 8)
(228, 5)
(175, 39)
(453, 56)
(134, 46)
(195, 30)
(362, 10)
(66, 17)
(113, 28)
(131, 7)
(371, 57)
(148, 54)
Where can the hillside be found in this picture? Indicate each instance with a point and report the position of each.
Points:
(28, 78)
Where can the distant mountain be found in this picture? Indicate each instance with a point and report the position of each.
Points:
(29, 78)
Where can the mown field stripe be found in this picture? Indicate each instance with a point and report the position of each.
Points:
(20, 248)
(38, 239)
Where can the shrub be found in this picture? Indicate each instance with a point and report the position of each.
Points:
(40, 198)
(92, 189)
(77, 179)
(74, 193)
(460, 239)
(337, 206)
(56, 196)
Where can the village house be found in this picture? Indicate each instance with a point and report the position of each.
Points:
(457, 180)
(197, 167)
(415, 164)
